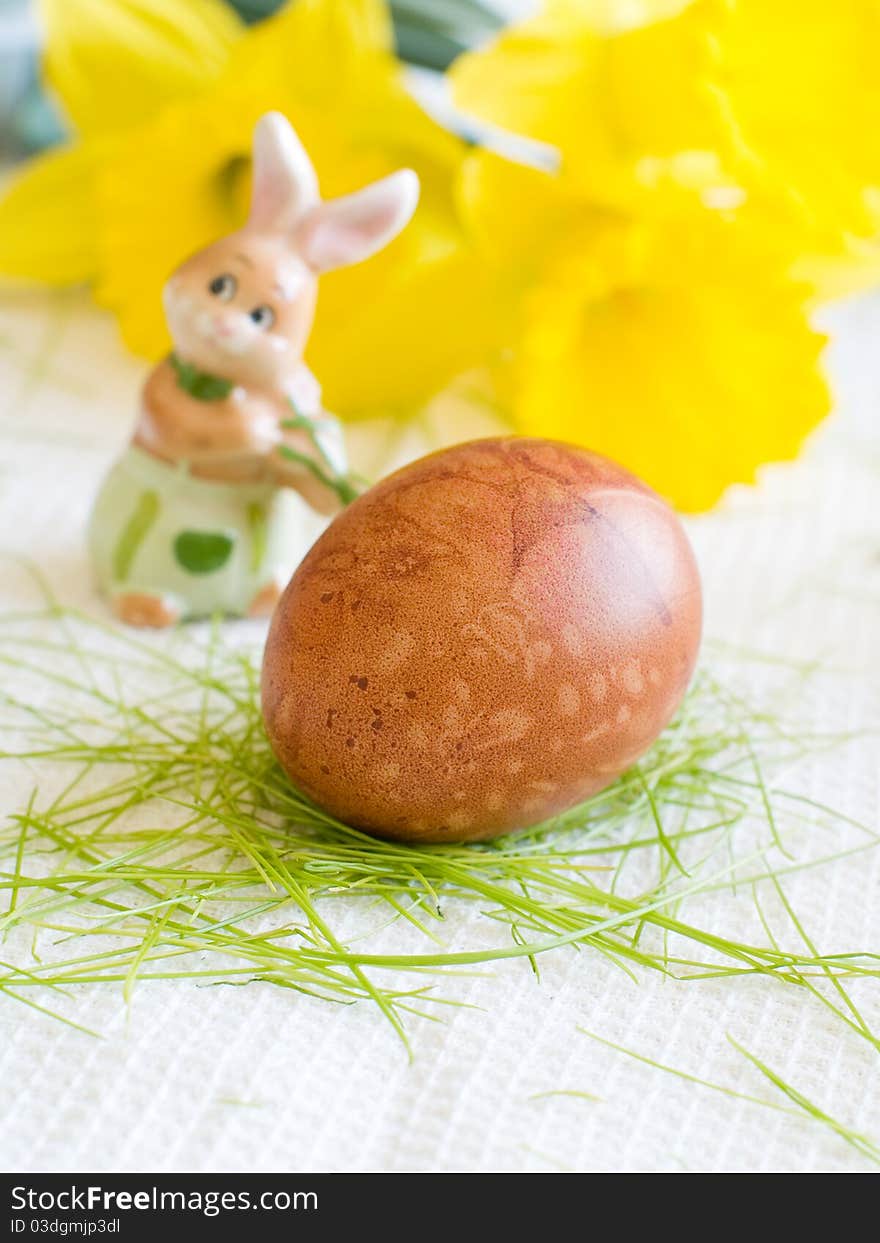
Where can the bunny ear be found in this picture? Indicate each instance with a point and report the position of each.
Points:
(285, 184)
(352, 228)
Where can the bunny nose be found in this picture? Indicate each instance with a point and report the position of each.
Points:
(223, 326)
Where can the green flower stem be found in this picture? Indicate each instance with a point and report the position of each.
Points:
(344, 486)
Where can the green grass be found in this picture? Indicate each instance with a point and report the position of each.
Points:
(801, 1106)
(161, 841)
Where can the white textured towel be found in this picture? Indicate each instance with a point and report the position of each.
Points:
(261, 1079)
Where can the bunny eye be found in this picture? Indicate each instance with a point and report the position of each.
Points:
(224, 286)
(263, 317)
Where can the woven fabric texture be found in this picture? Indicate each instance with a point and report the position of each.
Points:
(263, 1079)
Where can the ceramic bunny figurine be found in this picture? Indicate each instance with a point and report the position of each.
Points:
(193, 519)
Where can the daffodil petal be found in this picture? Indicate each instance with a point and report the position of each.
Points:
(839, 276)
(170, 190)
(47, 219)
(329, 65)
(612, 17)
(529, 79)
(617, 102)
(682, 383)
(517, 214)
(387, 340)
(801, 81)
(113, 62)
(326, 37)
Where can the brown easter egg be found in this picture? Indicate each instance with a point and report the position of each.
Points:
(481, 641)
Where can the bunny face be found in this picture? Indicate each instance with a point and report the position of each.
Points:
(243, 309)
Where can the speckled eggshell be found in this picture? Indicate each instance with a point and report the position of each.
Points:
(482, 640)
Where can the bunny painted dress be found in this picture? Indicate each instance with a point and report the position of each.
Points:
(203, 546)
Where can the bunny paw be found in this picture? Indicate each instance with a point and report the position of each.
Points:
(264, 601)
(139, 609)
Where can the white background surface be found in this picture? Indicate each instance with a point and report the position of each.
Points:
(262, 1079)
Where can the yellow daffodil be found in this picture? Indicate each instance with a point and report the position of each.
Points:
(622, 106)
(800, 80)
(677, 345)
(764, 90)
(659, 319)
(163, 98)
